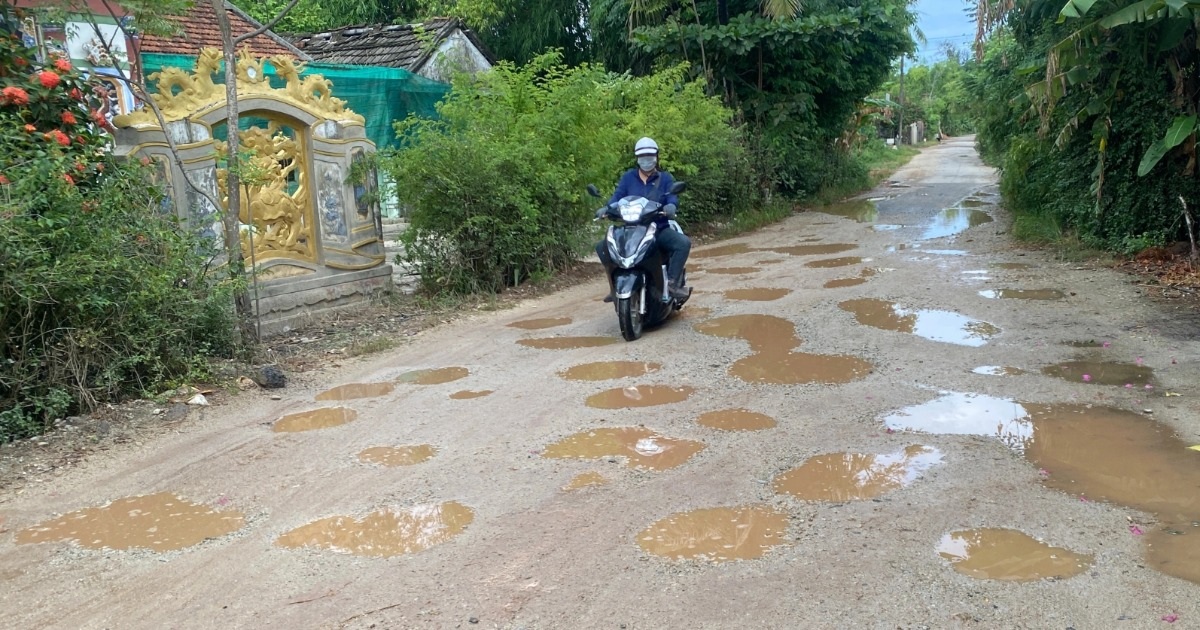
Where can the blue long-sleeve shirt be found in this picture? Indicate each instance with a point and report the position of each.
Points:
(656, 188)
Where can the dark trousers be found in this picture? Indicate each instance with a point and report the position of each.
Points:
(675, 245)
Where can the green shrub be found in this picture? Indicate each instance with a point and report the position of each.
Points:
(496, 185)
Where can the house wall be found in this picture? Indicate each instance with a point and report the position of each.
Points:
(455, 54)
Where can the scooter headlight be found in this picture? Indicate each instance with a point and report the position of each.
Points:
(632, 211)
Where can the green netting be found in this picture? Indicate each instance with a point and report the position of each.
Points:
(382, 95)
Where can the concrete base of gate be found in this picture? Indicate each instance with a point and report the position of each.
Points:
(289, 303)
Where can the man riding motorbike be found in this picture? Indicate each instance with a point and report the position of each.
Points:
(649, 182)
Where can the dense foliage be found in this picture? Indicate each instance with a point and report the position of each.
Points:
(1076, 112)
(496, 185)
(101, 294)
(935, 93)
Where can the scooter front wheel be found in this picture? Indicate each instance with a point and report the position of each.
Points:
(629, 314)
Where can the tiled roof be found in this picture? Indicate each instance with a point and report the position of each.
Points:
(198, 29)
(406, 46)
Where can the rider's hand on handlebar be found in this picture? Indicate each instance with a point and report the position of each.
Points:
(669, 210)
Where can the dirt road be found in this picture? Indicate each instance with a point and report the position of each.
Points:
(1039, 388)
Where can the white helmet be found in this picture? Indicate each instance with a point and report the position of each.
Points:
(645, 146)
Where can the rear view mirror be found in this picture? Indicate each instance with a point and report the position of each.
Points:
(593, 191)
(678, 187)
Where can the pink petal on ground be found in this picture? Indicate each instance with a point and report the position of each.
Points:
(1140, 360)
(1135, 530)
(1043, 472)
(1106, 344)
(1128, 385)
(1087, 378)
(1149, 386)
(1170, 618)
(1083, 498)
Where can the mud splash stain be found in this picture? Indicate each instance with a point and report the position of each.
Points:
(639, 396)
(1102, 373)
(998, 370)
(734, 271)
(722, 250)
(856, 476)
(316, 419)
(1007, 554)
(956, 413)
(585, 480)
(467, 394)
(393, 456)
(436, 376)
(772, 339)
(813, 250)
(830, 263)
(1023, 294)
(695, 312)
(641, 447)
(385, 533)
(736, 420)
(862, 211)
(609, 370)
(567, 343)
(1013, 266)
(716, 534)
(943, 326)
(952, 221)
(158, 522)
(756, 294)
(844, 282)
(541, 324)
(355, 391)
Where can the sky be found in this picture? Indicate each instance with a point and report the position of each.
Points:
(943, 21)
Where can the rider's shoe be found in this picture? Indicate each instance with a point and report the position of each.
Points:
(610, 298)
(678, 292)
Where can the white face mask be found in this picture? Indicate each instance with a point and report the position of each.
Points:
(647, 163)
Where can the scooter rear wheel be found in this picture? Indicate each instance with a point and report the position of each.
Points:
(629, 314)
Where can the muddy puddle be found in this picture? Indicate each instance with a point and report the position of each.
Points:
(972, 202)
(956, 413)
(756, 294)
(998, 370)
(609, 370)
(639, 396)
(887, 227)
(716, 534)
(830, 263)
(1023, 294)
(541, 324)
(568, 343)
(736, 420)
(436, 376)
(813, 250)
(947, 252)
(354, 391)
(773, 362)
(641, 447)
(861, 211)
(944, 326)
(158, 522)
(952, 221)
(1008, 554)
(316, 419)
(585, 480)
(774, 261)
(844, 282)
(722, 250)
(734, 271)
(856, 476)
(1102, 373)
(467, 394)
(1012, 266)
(384, 533)
(395, 456)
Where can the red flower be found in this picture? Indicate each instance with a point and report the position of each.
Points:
(98, 118)
(4, 181)
(80, 139)
(20, 62)
(58, 137)
(14, 96)
(69, 119)
(69, 179)
(30, 129)
(79, 167)
(62, 65)
(76, 94)
(49, 79)
(145, 161)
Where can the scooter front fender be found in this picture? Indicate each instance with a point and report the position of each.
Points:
(625, 283)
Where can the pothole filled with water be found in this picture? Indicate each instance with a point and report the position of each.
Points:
(998, 370)
(1012, 266)
(316, 419)
(639, 396)
(436, 376)
(734, 271)
(956, 413)
(830, 263)
(1008, 554)
(158, 522)
(355, 391)
(722, 250)
(567, 343)
(394, 456)
(756, 294)
(953, 221)
(812, 250)
(467, 394)
(609, 370)
(773, 362)
(861, 211)
(385, 533)
(541, 324)
(856, 476)
(844, 282)
(1102, 373)
(641, 447)
(736, 420)
(1023, 294)
(944, 326)
(586, 480)
(716, 534)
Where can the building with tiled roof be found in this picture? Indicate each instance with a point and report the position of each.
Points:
(418, 48)
(198, 29)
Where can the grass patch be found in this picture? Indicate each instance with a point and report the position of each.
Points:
(371, 345)
(1044, 231)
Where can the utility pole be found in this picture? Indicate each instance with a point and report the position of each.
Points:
(900, 124)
